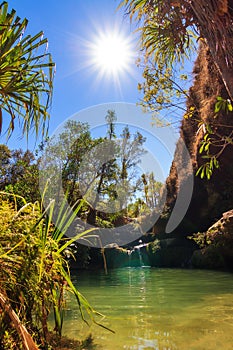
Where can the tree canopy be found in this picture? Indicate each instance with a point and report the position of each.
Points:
(103, 171)
(170, 28)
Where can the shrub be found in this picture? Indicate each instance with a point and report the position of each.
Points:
(34, 274)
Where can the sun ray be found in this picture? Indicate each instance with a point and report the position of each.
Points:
(107, 54)
(111, 54)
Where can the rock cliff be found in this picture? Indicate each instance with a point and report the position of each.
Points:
(212, 197)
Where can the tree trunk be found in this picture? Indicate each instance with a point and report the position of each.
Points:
(215, 22)
(226, 71)
(91, 217)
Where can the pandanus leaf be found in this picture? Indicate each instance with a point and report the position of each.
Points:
(26, 74)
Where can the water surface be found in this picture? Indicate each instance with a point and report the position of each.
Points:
(162, 309)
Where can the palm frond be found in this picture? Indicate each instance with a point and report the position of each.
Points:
(26, 74)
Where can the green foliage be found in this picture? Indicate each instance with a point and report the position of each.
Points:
(88, 174)
(167, 39)
(212, 141)
(138, 208)
(103, 223)
(152, 190)
(223, 105)
(206, 170)
(34, 273)
(5, 157)
(67, 151)
(163, 90)
(155, 246)
(25, 90)
(216, 246)
(201, 239)
(19, 174)
(208, 167)
(166, 29)
(110, 119)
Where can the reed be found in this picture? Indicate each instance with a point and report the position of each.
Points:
(34, 275)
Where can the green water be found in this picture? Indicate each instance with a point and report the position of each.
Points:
(162, 309)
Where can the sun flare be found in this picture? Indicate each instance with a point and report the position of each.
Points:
(111, 54)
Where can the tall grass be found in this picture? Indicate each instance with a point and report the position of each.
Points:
(34, 274)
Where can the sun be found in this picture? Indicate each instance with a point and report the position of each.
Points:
(111, 54)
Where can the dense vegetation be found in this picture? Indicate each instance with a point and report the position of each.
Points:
(34, 275)
(34, 251)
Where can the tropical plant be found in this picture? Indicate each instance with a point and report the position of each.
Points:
(214, 143)
(19, 174)
(34, 273)
(168, 28)
(152, 189)
(164, 91)
(169, 31)
(25, 88)
(165, 48)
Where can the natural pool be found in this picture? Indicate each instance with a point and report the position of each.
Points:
(162, 309)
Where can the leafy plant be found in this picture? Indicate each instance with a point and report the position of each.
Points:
(34, 273)
(223, 105)
(166, 42)
(25, 89)
(213, 140)
(207, 168)
(169, 30)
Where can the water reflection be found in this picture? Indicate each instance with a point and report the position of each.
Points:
(161, 309)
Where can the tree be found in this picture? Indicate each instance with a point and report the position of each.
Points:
(71, 147)
(23, 176)
(152, 190)
(5, 157)
(164, 79)
(102, 177)
(103, 171)
(34, 273)
(169, 31)
(169, 27)
(110, 119)
(107, 173)
(115, 177)
(67, 163)
(25, 89)
(130, 152)
(19, 173)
